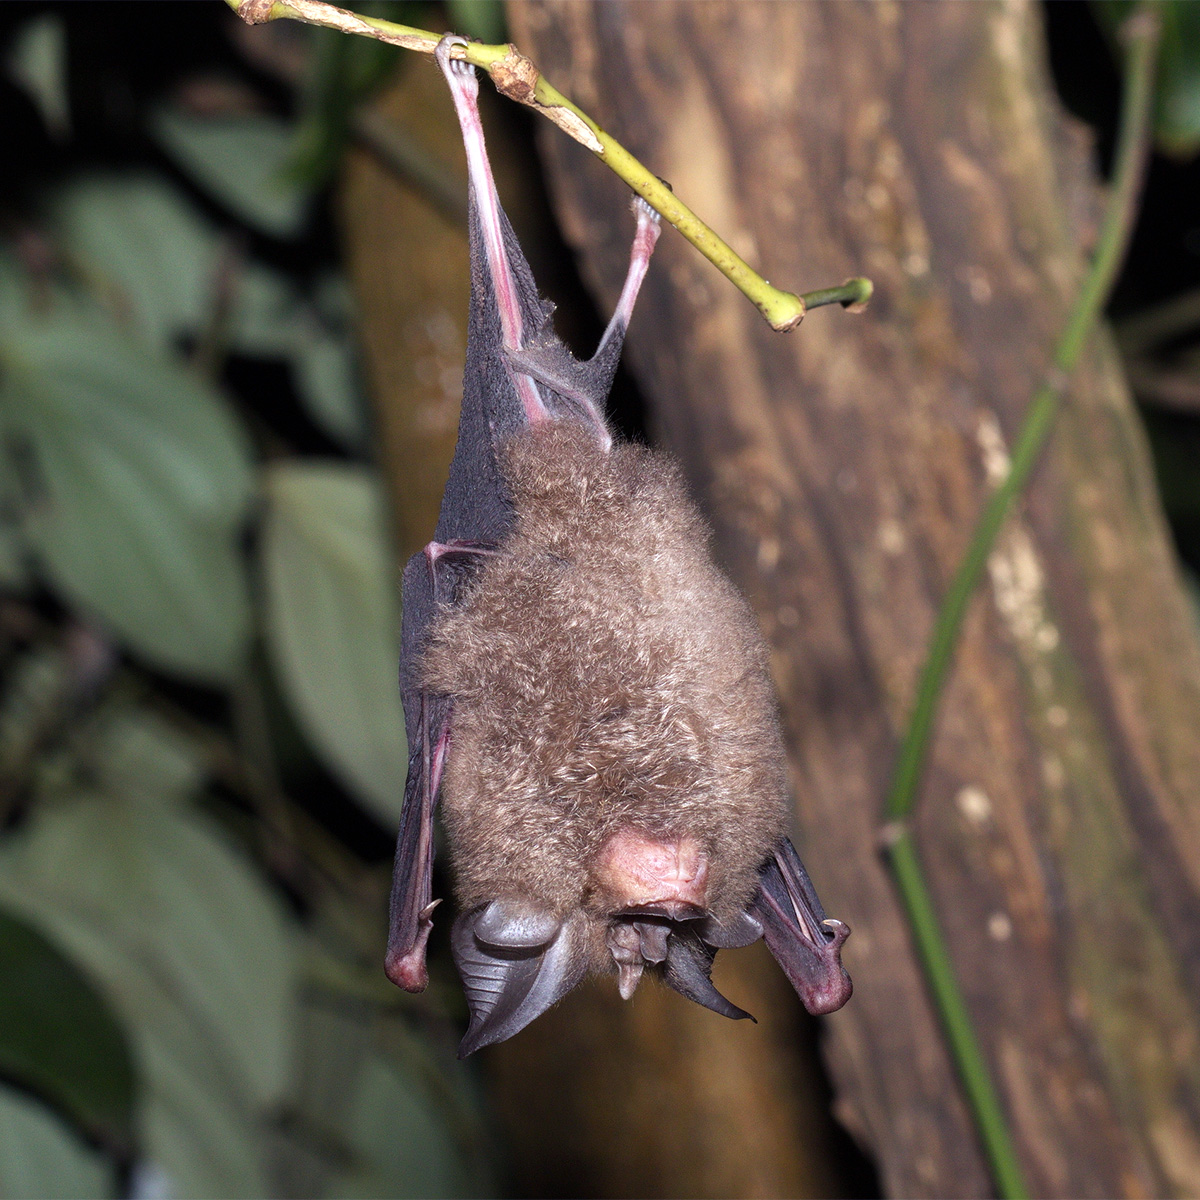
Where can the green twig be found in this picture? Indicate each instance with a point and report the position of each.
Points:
(956, 1020)
(516, 77)
(1142, 34)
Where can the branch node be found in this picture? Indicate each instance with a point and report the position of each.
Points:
(516, 77)
(255, 12)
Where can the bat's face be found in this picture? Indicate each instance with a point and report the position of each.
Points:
(614, 778)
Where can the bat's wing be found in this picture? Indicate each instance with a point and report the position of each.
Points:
(514, 965)
(503, 393)
(689, 971)
(805, 943)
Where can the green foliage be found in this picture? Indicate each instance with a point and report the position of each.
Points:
(332, 621)
(1177, 100)
(243, 161)
(37, 62)
(59, 1038)
(146, 251)
(159, 999)
(135, 469)
(482, 20)
(161, 1002)
(193, 953)
(40, 1157)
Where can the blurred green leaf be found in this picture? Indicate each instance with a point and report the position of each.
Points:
(141, 480)
(482, 20)
(242, 161)
(40, 1157)
(332, 621)
(14, 552)
(365, 1121)
(1179, 83)
(136, 753)
(399, 1149)
(327, 381)
(37, 62)
(196, 958)
(1177, 104)
(59, 1038)
(138, 237)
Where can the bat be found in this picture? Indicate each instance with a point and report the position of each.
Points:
(586, 696)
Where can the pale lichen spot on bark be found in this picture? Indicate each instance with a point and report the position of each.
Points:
(890, 537)
(768, 554)
(1178, 1152)
(999, 927)
(996, 462)
(979, 284)
(974, 804)
(1019, 591)
(1054, 774)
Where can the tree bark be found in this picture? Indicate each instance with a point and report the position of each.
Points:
(843, 467)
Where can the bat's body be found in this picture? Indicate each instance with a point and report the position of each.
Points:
(584, 691)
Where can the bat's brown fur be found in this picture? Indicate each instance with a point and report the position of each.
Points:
(606, 676)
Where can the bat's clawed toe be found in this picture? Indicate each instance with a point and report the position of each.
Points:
(454, 66)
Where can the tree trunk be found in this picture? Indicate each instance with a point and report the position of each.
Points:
(843, 466)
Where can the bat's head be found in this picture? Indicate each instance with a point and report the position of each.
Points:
(647, 907)
(648, 911)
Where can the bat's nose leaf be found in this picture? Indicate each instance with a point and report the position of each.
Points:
(689, 970)
(805, 943)
(508, 986)
(516, 924)
(652, 936)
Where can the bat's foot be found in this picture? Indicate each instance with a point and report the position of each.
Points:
(459, 72)
(644, 211)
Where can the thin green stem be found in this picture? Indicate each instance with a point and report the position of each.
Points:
(853, 294)
(1132, 144)
(516, 77)
(1133, 141)
(956, 1020)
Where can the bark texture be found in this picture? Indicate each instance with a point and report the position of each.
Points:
(409, 268)
(843, 466)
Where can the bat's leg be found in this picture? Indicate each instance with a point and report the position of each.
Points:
(464, 89)
(412, 905)
(588, 384)
(805, 943)
(644, 240)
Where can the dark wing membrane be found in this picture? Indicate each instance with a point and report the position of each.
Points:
(426, 721)
(689, 971)
(475, 504)
(509, 986)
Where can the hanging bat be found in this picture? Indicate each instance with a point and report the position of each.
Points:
(584, 692)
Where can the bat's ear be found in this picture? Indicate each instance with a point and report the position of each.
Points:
(689, 969)
(515, 961)
(805, 943)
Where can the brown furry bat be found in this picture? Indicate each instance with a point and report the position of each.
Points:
(584, 690)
